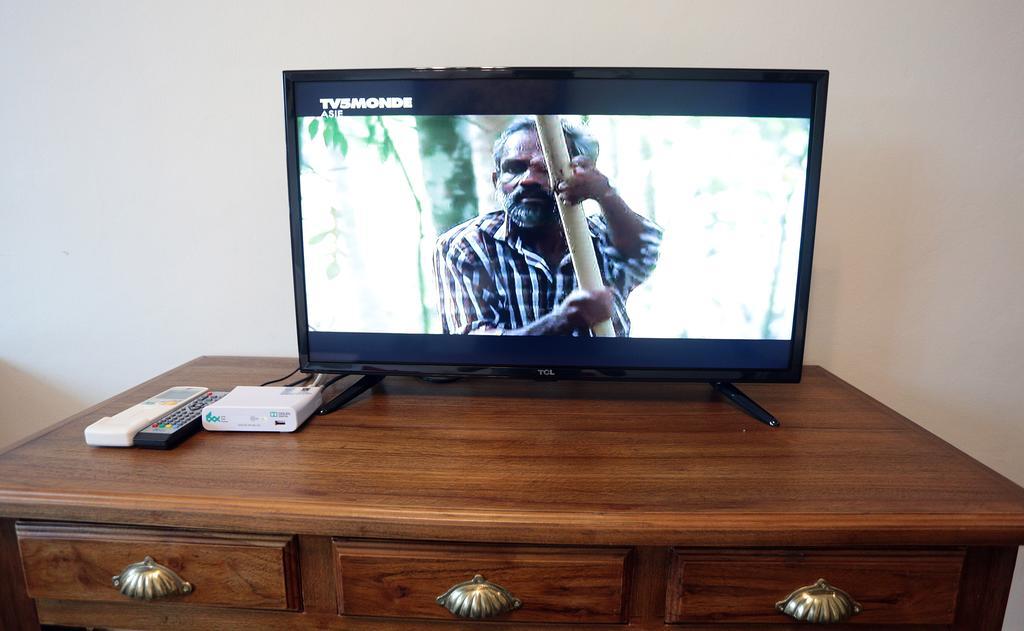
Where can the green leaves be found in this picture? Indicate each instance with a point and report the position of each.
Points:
(332, 135)
(341, 143)
(333, 268)
(376, 137)
(377, 134)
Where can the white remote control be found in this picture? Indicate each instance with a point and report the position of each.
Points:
(119, 430)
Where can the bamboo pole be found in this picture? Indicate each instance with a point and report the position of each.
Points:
(574, 221)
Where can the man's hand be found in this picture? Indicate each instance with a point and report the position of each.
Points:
(581, 309)
(585, 182)
(584, 309)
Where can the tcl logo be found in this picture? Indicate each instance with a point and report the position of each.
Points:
(545, 372)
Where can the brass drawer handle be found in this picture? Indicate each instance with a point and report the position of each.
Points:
(820, 603)
(148, 580)
(478, 599)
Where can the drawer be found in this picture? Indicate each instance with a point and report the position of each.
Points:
(891, 587)
(566, 585)
(78, 562)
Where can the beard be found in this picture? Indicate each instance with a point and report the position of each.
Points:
(540, 211)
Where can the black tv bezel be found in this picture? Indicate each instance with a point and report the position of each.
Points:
(791, 374)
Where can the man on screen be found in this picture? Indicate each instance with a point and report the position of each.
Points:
(509, 272)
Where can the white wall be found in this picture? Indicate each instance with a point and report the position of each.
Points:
(143, 158)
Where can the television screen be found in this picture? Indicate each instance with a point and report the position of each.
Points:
(428, 238)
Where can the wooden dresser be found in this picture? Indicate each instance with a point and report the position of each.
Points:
(572, 504)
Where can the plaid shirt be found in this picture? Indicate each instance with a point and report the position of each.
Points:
(487, 279)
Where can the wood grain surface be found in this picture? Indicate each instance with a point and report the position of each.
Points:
(517, 461)
(319, 591)
(17, 609)
(78, 562)
(401, 580)
(168, 617)
(904, 587)
(985, 588)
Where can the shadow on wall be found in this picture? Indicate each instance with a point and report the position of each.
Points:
(30, 404)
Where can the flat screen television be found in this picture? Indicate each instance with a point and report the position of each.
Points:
(428, 239)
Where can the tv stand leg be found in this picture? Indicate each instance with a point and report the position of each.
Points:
(743, 402)
(339, 400)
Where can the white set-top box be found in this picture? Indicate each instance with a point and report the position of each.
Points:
(262, 409)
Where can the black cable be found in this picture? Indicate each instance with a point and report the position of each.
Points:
(299, 382)
(365, 383)
(267, 383)
(333, 380)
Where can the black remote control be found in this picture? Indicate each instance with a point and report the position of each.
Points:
(169, 431)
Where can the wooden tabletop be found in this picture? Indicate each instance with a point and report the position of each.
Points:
(538, 462)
